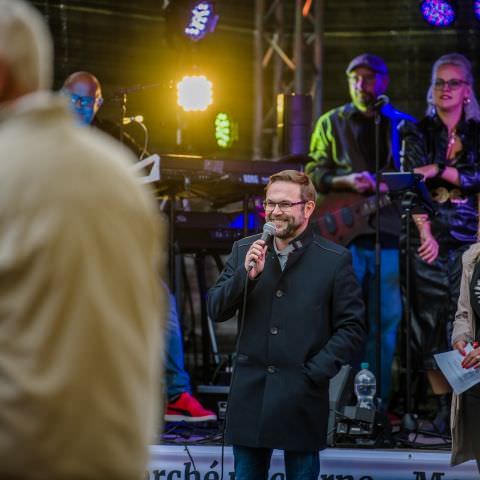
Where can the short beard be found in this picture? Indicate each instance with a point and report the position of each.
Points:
(289, 231)
(364, 104)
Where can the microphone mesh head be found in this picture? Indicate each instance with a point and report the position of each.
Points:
(270, 228)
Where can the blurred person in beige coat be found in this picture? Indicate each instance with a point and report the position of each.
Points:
(79, 281)
(465, 417)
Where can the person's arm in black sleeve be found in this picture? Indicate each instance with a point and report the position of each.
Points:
(419, 160)
(469, 177)
(328, 170)
(225, 297)
(322, 168)
(348, 325)
(415, 146)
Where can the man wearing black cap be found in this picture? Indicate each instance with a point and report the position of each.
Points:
(343, 160)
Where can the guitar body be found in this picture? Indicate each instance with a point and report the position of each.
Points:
(341, 217)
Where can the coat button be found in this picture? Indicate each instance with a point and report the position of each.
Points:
(279, 293)
(271, 369)
(274, 330)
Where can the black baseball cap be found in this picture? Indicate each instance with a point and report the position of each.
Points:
(368, 60)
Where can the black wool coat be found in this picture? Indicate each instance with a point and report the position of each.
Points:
(301, 325)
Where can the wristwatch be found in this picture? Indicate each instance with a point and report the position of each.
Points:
(441, 168)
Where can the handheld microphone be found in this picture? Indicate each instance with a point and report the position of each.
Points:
(380, 101)
(269, 230)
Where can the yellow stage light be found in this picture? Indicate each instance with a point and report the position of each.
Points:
(194, 93)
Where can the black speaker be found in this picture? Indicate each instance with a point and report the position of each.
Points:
(294, 123)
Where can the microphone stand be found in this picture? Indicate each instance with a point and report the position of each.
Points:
(421, 196)
(409, 421)
(378, 269)
(120, 95)
(413, 191)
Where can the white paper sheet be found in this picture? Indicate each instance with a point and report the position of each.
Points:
(459, 378)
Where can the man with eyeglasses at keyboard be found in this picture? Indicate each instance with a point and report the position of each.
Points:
(303, 320)
(85, 93)
(343, 161)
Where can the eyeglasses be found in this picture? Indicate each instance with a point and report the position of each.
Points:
(283, 205)
(453, 84)
(83, 101)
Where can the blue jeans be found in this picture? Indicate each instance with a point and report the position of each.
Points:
(390, 306)
(178, 380)
(253, 464)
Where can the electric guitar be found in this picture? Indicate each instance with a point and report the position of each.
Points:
(341, 217)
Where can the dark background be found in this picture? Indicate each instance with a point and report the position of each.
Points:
(128, 43)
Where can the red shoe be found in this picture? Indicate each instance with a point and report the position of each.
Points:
(188, 409)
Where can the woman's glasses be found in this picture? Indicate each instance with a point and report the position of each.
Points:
(453, 84)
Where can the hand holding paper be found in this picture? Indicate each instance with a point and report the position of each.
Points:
(459, 377)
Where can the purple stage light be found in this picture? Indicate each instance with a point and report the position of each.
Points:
(203, 20)
(439, 13)
(476, 9)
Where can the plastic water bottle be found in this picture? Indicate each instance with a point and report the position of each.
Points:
(365, 387)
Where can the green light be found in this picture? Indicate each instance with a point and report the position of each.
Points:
(226, 131)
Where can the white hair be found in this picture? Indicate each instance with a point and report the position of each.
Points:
(26, 45)
(471, 109)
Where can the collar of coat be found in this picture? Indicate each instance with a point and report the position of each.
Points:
(461, 128)
(298, 243)
(471, 257)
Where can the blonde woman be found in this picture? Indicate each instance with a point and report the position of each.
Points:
(444, 148)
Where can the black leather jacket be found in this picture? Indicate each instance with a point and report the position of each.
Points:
(426, 143)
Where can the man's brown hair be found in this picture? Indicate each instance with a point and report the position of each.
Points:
(307, 190)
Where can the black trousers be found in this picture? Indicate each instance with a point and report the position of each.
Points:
(435, 289)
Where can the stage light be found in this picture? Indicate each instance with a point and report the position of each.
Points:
(203, 20)
(226, 130)
(476, 9)
(439, 13)
(194, 93)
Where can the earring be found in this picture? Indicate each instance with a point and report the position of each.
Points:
(466, 100)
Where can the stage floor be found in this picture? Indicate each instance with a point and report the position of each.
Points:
(195, 462)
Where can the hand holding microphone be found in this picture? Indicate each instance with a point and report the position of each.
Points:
(255, 258)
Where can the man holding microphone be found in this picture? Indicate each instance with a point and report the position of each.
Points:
(302, 319)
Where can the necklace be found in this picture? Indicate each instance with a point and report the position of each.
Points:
(451, 138)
